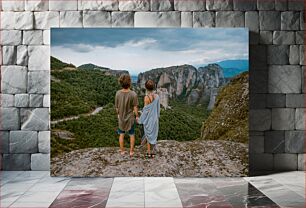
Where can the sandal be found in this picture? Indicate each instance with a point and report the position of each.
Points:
(132, 154)
(148, 156)
(122, 152)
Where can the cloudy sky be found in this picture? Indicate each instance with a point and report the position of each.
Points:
(140, 49)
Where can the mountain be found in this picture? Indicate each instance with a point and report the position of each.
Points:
(229, 117)
(57, 64)
(107, 71)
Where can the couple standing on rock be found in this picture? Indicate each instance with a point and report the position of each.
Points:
(126, 103)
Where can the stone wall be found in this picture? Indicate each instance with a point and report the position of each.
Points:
(276, 74)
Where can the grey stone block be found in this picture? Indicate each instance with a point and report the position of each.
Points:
(260, 120)
(46, 37)
(283, 37)
(278, 54)
(195, 5)
(162, 5)
(71, 19)
(13, 79)
(203, 19)
(63, 5)
(294, 54)
(246, 5)
(274, 141)
(37, 5)
(16, 162)
(295, 100)
(9, 55)
(98, 5)
(269, 20)
(46, 101)
(22, 100)
(281, 5)
(6, 100)
(301, 162)
(302, 20)
(10, 119)
(229, 19)
(258, 56)
(295, 141)
(256, 133)
(256, 144)
(32, 37)
(299, 37)
(186, 19)
(222, 5)
(36, 54)
(6, 20)
(303, 79)
(13, 6)
(40, 162)
(261, 161)
(265, 5)
(252, 21)
(290, 21)
(39, 82)
(296, 5)
(257, 101)
(44, 142)
(4, 141)
(11, 37)
(302, 55)
(283, 118)
(157, 19)
(97, 19)
(258, 81)
(122, 19)
(134, 5)
(276, 100)
(45, 20)
(35, 119)
(285, 162)
(299, 119)
(23, 142)
(22, 55)
(36, 100)
(24, 20)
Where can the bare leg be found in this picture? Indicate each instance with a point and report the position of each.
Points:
(121, 143)
(132, 143)
(149, 148)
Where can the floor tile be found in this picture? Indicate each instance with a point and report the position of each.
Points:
(163, 198)
(126, 200)
(128, 184)
(153, 184)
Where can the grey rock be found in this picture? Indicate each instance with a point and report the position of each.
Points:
(283, 118)
(257, 101)
(247, 5)
(294, 141)
(302, 20)
(36, 54)
(294, 54)
(203, 19)
(10, 119)
(13, 79)
(6, 100)
(22, 100)
(4, 141)
(45, 20)
(252, 21)
(37, 5)
(297, 5)
(157, 19)
(24, 20)
(16, 162)
(162, 5)
(39, 82)
(274, 141)
(9, 55)
(186, 19)
(97, 19)
(6, 20)
(222, 5)
(303, 79)
(40, 162)
(256, 144)
(302, 55)
(35, 119)
(229, 19)
(262, 161)
(44, 142)
(278, 54)
(32, 37)
(13, 6)
(63, 5)
(301, 162)
(36, 100)
(134, 5)
(283, 37)
(122, 19)
(269, 20)
(290, 21)
(281, 5)
(299, 37)
(185, 6)
(285, 162)
(23, 142)
(46, 101)
(71, 19)
(98, 5)
(11, 37)
(299, 119)
(22, 55)
(260, 120)
(265, 5)
(276, 100)
(295, 100)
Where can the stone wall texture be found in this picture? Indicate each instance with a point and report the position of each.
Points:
(277, 127)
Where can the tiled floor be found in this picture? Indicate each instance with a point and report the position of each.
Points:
(38, 189)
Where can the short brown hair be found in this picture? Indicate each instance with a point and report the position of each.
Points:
(150, 85)
(125, 81)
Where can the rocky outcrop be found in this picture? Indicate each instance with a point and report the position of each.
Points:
(108, 71)
(192, 158)
(163, 97)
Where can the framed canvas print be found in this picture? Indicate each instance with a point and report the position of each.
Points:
(149, 102)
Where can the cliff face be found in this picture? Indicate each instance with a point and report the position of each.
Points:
(229, 118)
